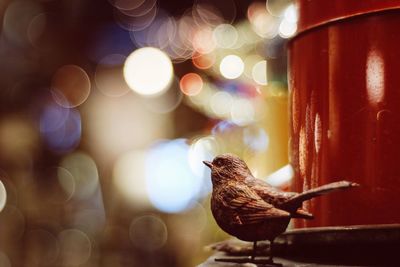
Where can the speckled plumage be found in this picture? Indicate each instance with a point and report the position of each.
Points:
(251, 209)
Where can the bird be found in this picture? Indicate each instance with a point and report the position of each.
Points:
(252, 210)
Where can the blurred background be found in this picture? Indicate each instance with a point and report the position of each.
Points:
(107, 109)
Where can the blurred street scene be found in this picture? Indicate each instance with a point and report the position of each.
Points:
(109, 107)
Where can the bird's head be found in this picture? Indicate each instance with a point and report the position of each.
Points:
(227, 167)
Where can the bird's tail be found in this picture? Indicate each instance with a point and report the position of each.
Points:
(296, 201)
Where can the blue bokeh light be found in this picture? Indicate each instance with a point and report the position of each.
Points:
(223, 127)
(256, 138)
(171, 185)
(60, 127)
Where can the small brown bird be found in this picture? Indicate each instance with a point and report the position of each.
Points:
(251, 209)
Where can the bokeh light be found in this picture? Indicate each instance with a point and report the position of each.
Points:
(67, 183)
(205, 14)
(136, 19)
(141, 68)
(277, 7)
(60, 127)
(71, 82)
(165, 103)
(203, 41)
(36, 28)
(171, 185)
(90, 220)
(203, 61)
(249, 63)
(84, 172)
(10, 190)
(3, 196)
(213, 12)
(263, 23)
(109, 76)
(281, 177)
(127, 4)
(19, 22)
(259, 72)
(148, 232)
(133, 9)
(255, 138)
(191, 84)
(59, 184)
(123, 124)
(225, 35)
(221, 103)
(129, 178)
(201, 99)
(231, 66)
(161, 33)
(75, 247)
(222, 127)
(242, 112)
(290, 13)
(287, 28)
(204, 148)
(108, 112)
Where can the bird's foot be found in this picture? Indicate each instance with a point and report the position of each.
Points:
(262, 262)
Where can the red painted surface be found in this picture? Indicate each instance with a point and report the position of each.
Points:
(344, 81)
(317, 12)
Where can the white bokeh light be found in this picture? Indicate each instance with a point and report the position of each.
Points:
(204, 148)
(221, 103)
(148, 71)
(129, 178)
(3, 196)
(170, 182)
(242, 112)
(231, 67)
(259, 72)
(290, 13)
(287, 28)
(281, 176)
(225, 35)
(256, 138)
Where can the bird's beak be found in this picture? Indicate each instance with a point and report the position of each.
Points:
(208, 164)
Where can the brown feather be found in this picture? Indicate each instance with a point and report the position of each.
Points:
(251, 209)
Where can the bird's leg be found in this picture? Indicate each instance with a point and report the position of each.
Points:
(271, 250)
(253, 255)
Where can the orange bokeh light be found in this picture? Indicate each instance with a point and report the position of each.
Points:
(191, 84)
(203, 61)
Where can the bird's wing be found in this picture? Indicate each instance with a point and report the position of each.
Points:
(269, 193)
(302, 214)
(249, 207)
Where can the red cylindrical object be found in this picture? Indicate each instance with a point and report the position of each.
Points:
(344, 81)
